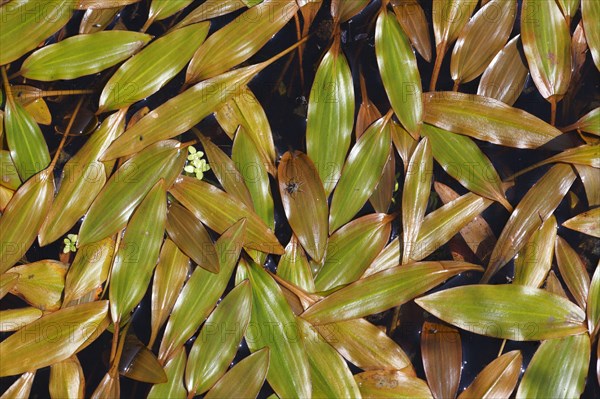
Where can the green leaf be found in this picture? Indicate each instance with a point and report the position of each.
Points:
(210, 9)
(462, 159)
(201, 293)
(219, 210)
(330, 375)
(330, 116)
(415, 196)
(272, 325)
(362, 171)
(351, 250)
(573, 271)
(26, 23)
(97, 19)
(23, 216)
(519, 313)
(67, 379)
(174, 387)
(191, 237)
(505, 76)
(169, 276)
(41, 283)
(389, 257)
(160, 9)
(240, 39)
(399, 72)
(304, 202)
(383, 290)
(113, 206)
(65, 331)
(83, 177)
(497, 380)
(14, 319)
(486, 119)
(7, 283)
(534, 261)
(589, 123)
(441, 351)
(294, 266)
(593, 303)
(245, 379)
(137, 255)
(547, 46)
(543, 379)
(134, 81)
(139, 363)
(28, 149)
(391, 384)
(590, 13)
(10, 176)
(216, 345)
(529, 215)
(82, 55)
(481, 39)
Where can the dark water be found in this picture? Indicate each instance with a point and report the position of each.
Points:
(286, 111)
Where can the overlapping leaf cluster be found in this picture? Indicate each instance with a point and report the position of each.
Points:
(204, 248)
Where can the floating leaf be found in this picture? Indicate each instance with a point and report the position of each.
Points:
(330, 116)
(245, 379)
(192, 238)
(529, 215)
(591, 181)
(589, 123)
(351, 250)
(26, 23)
(21, 388)
(164, 9)
(586, 223)
(67, 329)
(348, 9)
(294, 267)
(102, 4)
(399, 72)
(271, 324)
(218, 210)
(210, 9)
(304, 202)
(519, 313)
(137, 255)
(543, 379)
(216, 345)
(95, 20)
(201, 293)
(174, 387)
(41, 283)
(15, 319)
(139, 363)
(486, 119)
(593, 303)
(330, 375)
(128, 186)
(405, 144)
(134, 81)
(365, 345)
(362, 171)
(590, 12)
(547, 46)
(389, 257)
(573, 271)
(109, 387)
(482, 37)
(441, 350)
(10, 176)
(412, 18)
(240, 39)
(554, 286)
(25, 140)
(7, 282)
(497, 380)
(169, 276)
(82, 179)
(534, 260)
(391, 384)
(383, 290)
(82, 55)
(67, 379)
(23, 217)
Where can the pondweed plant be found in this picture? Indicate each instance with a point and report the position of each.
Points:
(300, 198)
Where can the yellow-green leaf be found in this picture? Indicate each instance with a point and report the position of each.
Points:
(23, 216)
(547, 46)
(216, 345)
(589, 123)
(399, 72)
(41, 283)
(591, 181)
(240, 39)
(210, 9)
(15, 319)
(383, 290)
(134, 81)
(160, 9)
(26, 23)
(304, 202)
(497, 380)
(127, 187)
(519, 313)
(330, 116)
(590, 14)
(173, 388)
(593, 303)
(529, 215)
(60, 335)
(534, 261)
(573, 271)
(67, 379)
(21, 388)
(362, 171)
(543, 379)
(139, 363)
(10, 176)
(138, 252)
(486, 119)
(294, 267)
(7, 282)
(97, 19)
(391, 384)
(82, 55)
